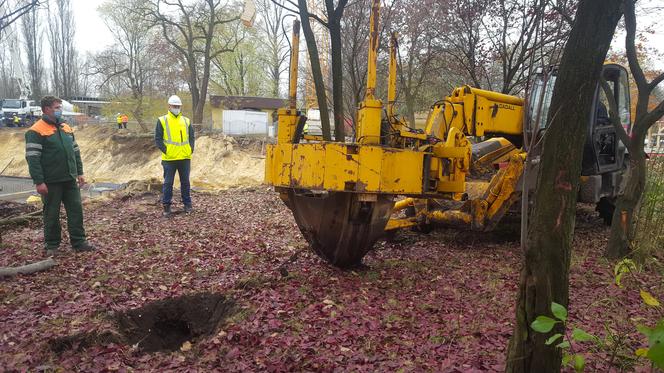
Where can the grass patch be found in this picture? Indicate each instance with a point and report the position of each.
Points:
(249, 258)
(371, 275)
(650, 221)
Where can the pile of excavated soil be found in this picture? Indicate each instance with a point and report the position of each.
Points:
(113, 156)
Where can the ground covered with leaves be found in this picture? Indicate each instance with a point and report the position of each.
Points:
(232, 287)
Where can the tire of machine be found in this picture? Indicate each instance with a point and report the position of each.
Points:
(605, 207)
(340, 228)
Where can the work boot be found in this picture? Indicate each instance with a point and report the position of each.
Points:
(52, 251)
(188, 209)
(85, 246)
(167, 211)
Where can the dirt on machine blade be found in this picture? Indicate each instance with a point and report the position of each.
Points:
(339, 226)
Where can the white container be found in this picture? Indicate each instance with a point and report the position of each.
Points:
(245, 123)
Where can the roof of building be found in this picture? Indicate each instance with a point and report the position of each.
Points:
(246, 102)
(91, 102)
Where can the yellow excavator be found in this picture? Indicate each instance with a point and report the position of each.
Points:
(346, 195)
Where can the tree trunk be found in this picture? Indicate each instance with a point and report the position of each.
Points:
(410, 106)
(202, 96)
(314, 60)
(138, 113)
(28, 268)
(337, 81)
(275, 76)
(545, 272)
(21, 219)
(623, 225)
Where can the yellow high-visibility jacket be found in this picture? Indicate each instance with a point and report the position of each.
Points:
(176, 139)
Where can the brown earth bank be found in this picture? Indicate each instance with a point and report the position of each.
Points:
(256, 299)
(111, 155)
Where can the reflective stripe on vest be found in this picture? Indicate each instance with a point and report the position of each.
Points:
(169, 139)
(177, 147)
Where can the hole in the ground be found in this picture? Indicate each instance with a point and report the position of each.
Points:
(166, 335)
(163, 325)
(166, 324)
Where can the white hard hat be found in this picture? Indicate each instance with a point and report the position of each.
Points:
(174, 100)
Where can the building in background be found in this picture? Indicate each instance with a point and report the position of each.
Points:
(245, 116)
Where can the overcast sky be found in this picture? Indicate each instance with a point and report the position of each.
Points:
(93, 36)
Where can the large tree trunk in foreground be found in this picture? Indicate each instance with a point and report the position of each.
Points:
(545, 272)
(623, 226)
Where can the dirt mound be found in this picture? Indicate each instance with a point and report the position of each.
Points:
(113, 156)
(163, 325)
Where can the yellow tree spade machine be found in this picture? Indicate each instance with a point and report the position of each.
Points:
(346, 195)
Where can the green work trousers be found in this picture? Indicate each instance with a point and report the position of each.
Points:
(69, 194)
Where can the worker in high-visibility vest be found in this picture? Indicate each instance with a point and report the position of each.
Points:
(174, 136)
(119, 120)
(17, 121)
(124, 118)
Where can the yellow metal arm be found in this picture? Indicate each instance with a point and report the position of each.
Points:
(295, 51)
(392, 77)
(476, 112)
(370, 112)
(288, 116)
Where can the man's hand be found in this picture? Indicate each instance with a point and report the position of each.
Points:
(42, 189)
(81, 181)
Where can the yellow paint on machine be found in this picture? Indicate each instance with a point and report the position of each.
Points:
(345, 167)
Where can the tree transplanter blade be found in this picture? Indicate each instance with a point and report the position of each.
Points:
(338, 226)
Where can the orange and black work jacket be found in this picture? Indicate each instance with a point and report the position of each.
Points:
(52, 153)
(174, 136)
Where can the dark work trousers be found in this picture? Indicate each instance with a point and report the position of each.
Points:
(182, 167)
(69, 194)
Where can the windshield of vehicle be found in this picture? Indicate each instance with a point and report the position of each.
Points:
(11, 104)
(540, 100)
(619, 83)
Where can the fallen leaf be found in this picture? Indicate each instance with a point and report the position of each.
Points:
(641, 352)
(649, 299)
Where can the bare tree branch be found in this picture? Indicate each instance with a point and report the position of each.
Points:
(655, 82)
(630, 46)
(13, 15)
